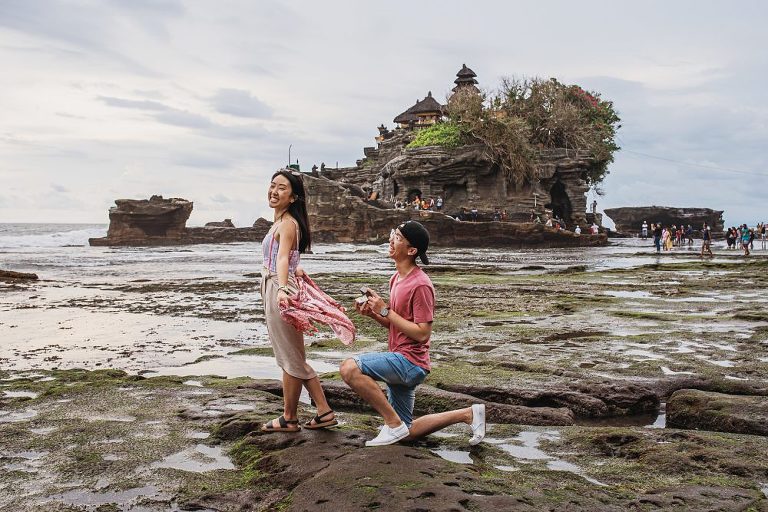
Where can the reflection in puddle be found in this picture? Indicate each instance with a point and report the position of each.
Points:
(256, 367)
(13, 417)
(20, 394)
(199, 459)
(525, 447)
(458, 456)
(661, 419)
(42, 431)
(637, 294)
(667, 371)
(86, 497)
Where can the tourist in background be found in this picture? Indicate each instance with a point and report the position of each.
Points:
(706, 240)
(657, 232)
(745, 239)
(644, 230)
(287, 238)
(689, 234)
(763, 235)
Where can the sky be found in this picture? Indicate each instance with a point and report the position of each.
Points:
(202, 99)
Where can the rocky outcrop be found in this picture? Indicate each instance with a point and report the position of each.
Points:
(338, 214)
(466, 177)
(158, 221)
(226, 223)
(629, 220)
(11, 275)
(694, 409)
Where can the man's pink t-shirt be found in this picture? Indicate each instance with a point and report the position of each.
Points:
(413, 298)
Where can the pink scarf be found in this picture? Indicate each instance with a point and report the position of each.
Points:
(311, 304)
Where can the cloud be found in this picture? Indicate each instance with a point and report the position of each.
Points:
(240, 103)
(59, 188)
(220, 198)
(137, 104)
(184, 118)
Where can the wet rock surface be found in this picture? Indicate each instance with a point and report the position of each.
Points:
(694, 409)
(602, 348)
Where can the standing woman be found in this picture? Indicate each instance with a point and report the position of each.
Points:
(288, 237)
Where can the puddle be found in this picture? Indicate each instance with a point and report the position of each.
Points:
(661, 419)
(458, 456)
(199, 435)
(637, 294)
(20, 394)
(667, 371)
(42, 431)
(13, 417)
(764, 488)
(86, 497)
(507, 468)
(256, 367)
(199, 459)
(119, 419)
(525, 447)
(239, 407)
(195, 383)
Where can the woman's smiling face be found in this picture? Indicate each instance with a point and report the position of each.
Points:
(280, 194)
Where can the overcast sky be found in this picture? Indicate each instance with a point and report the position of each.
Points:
(111, 99)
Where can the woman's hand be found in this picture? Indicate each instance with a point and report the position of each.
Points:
(299, 272)
(282, 298)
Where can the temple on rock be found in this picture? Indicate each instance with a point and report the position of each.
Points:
(466, 179)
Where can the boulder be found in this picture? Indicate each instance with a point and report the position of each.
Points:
(629, 220)
(694, 409)
(226, 223)
(9, 274)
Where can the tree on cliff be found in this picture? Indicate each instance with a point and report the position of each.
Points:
(525, 115)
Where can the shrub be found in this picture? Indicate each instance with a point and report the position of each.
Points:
(447, 135)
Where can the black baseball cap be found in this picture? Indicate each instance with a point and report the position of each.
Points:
(418, 236)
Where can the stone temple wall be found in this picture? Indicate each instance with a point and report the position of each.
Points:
(467, 178)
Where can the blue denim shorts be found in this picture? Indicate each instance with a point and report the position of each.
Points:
(400, 375)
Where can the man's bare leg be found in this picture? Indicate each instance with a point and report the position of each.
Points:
(369, 391)
(425, 425)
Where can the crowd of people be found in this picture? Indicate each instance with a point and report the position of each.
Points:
(419, 203)
(668, 237)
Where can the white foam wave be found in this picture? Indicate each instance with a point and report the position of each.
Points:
(55, 239)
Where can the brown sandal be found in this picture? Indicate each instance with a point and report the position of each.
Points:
(285, 425)
(319, 423)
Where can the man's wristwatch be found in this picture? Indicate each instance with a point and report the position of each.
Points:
(384, 311)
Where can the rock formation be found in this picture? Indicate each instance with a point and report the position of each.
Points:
(629, 220)
(226, 223)
(158, 221)
(338, 213)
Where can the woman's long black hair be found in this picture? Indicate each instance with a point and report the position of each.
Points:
(298, 208)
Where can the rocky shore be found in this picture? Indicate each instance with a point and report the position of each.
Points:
(635, 387)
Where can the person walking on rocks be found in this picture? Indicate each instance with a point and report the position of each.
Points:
(408, 318)
(657, 232)
(706, 240)
(288, 237)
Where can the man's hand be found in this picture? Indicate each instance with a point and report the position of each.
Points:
(364, 309)
(375, 302)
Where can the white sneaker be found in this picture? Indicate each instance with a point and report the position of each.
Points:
(389, 435)
(478, 424)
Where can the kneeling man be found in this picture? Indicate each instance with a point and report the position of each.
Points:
(408, 318)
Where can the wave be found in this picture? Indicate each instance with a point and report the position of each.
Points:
(48, 235)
